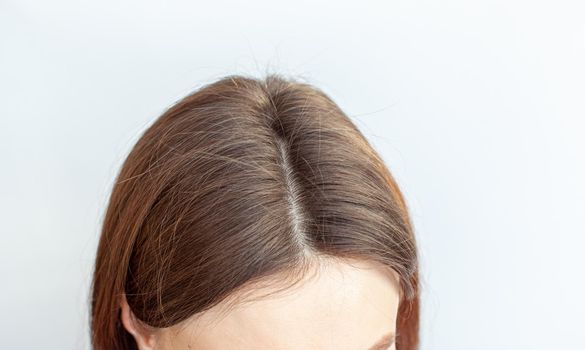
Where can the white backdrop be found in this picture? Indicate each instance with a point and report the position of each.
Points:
(477, 107)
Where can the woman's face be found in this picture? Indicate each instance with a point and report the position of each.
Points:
(343, 307)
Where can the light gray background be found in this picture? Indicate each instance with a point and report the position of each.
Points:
(477, 107)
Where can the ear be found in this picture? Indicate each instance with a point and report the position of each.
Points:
(144, 336)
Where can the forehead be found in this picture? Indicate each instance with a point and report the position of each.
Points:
(342, 307)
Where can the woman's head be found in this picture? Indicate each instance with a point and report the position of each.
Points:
(253, 214)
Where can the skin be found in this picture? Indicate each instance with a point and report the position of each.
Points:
(345, 306)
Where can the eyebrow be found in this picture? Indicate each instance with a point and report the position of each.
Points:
(384, 342)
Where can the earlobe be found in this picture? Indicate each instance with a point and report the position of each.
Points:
(144, 339)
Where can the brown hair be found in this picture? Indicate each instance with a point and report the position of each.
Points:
(241, 180)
